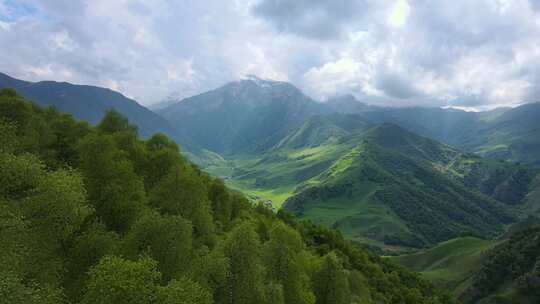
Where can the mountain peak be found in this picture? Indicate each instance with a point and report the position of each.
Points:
(262, 82)
(346, 103)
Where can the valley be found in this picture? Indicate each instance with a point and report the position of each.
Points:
(391, 180)
(270, 152)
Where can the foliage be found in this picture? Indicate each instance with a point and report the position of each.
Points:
(515, 262)
(96, 215)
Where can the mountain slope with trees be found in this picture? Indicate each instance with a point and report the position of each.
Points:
(96, 215)
(511, 134)
(89, 103)
(374, 181)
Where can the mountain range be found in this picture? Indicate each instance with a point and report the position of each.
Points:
(450, 183)
(89, 103)
(383, 176)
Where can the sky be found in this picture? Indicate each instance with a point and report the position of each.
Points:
(471, 54)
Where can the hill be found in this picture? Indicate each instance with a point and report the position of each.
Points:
(511, 134)
(510, 272)
(89, 103)
(96, 215)
(374, 182)
(451, 265)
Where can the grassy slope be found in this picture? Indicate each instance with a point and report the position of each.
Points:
(450, 264)
(274, 176)
(291, 168)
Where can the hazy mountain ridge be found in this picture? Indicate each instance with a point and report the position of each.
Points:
(88, 103)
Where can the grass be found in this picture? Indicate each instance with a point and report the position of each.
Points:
(275, 175)
(450, 264)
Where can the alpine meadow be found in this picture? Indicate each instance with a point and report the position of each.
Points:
(270, 152)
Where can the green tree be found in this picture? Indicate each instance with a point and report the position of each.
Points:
(52, 206)
(221, 201)
(13, 290)
(167, 239)
(284, 264)
(163, 158)
(330, 282)
(113, 187)
(183, 291)
(182, 192)
(87, 249)
(114, 122)
(245, 276)
(119, 281)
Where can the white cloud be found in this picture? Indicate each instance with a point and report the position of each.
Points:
(399, 52)
(399, 14)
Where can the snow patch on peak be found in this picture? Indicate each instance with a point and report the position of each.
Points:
(259, 81)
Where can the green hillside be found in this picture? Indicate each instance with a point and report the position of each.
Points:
(96, 215)
(380, 185)
(450, 265)
(511, 134)
(412, 203)
(510, 272)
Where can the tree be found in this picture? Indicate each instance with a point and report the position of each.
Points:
(55, 213)
(167, 239)
(221, 201)
(52, 207)
(86, 250)
(113, 187)
(183, 291)
(119, 281)
(114, 122)
(163, 158)
(244, 279)
(284, 265)
(182, 192)
(13, 290)
(330, 282)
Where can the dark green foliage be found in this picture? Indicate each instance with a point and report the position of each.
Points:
(113, 187)
(115, 280)
(95, 215)
(245, 274)
(436, 191)
(183, 291)
(165, 238)
(330, 282)
(514, 263)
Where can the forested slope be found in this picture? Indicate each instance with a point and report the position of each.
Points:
(510, 272)
(96, 215)
(399, 188)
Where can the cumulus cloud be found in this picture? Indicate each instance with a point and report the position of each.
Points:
(392, 52)
(321, 19)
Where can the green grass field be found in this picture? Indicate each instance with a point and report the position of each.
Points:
(450, 264)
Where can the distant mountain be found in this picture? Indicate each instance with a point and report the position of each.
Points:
(505, 133)
(246, 115)
(89, 103)
(347, 104)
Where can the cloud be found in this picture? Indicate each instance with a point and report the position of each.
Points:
(321, 19)
(535, 4)
(397, 86)
(392, 52)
